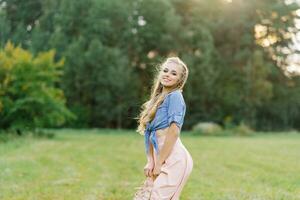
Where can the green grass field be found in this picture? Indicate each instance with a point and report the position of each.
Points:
(108, 165)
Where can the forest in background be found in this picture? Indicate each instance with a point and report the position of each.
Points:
(90, 63)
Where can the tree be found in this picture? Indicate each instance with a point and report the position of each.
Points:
(29, 97)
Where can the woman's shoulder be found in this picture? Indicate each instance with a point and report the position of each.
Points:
(176, 95)
(177, 92)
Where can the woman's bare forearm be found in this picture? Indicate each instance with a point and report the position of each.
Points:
(150, 159)
(171, 137)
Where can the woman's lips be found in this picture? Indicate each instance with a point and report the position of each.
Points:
(165, 79)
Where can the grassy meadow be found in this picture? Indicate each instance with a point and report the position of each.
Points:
(108, 164)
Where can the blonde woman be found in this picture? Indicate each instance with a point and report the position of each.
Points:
(160, 121)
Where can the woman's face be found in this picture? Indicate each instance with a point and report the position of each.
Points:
(170, 74)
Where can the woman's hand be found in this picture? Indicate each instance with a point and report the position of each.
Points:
(148, 169)
(157, 169)
(148, 172)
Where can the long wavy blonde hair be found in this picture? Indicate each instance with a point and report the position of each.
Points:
(148, 109)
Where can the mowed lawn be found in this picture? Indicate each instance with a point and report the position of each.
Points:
(108, 165)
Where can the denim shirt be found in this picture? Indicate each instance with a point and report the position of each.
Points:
(172, 109)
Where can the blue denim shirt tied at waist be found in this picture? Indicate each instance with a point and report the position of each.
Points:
(171, 110)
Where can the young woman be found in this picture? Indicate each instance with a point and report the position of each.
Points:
(169, 163)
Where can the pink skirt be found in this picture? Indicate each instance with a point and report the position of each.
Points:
(174, 172)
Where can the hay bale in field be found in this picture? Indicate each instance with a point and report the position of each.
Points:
(243, 130)
(207, 128)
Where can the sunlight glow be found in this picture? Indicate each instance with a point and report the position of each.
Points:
(262, 37)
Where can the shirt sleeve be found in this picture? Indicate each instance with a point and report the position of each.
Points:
(176, 109)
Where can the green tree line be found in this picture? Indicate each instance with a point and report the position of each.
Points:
(235, 50)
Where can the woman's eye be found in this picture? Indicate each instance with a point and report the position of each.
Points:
(174, 74)
(165, 70)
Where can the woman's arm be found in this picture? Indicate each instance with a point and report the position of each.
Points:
(150, 160)
(171, 137)
(150, 163)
